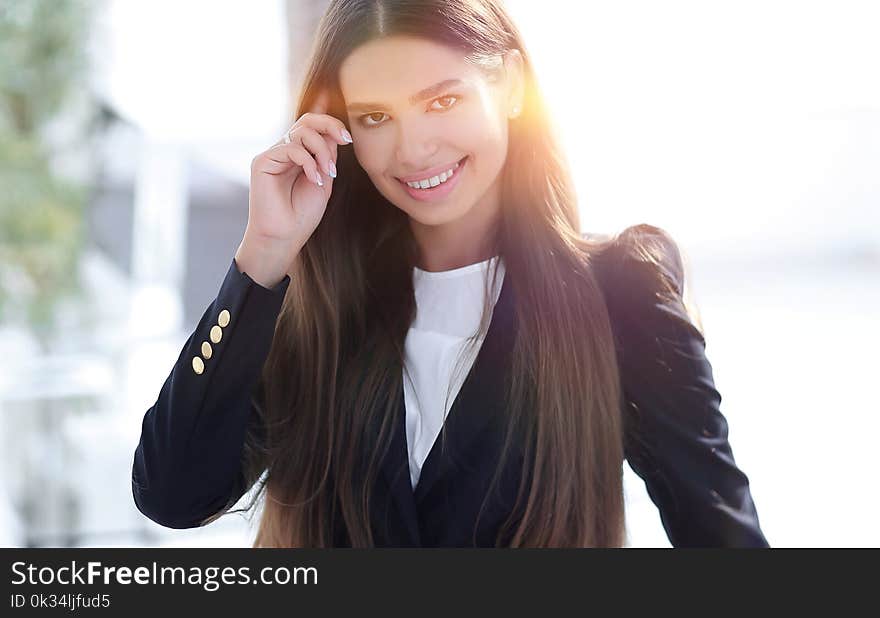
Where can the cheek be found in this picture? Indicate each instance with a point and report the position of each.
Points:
(477, 132)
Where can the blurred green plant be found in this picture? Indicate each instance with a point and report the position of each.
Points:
(43, 62)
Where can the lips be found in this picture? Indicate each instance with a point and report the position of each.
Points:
(434, 171)
(439, 192)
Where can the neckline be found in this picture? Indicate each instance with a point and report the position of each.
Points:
(454, 272)
(464, 426)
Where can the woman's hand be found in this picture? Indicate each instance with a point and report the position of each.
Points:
(290, 185)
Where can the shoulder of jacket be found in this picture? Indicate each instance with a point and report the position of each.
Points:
(642, 250)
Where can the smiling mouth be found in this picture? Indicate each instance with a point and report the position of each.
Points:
(455, 166)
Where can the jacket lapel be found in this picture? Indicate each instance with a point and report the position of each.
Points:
(479, 399)
(477, 402)
(395, 468)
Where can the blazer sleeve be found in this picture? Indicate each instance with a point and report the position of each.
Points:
(188, 463)
(676, 437)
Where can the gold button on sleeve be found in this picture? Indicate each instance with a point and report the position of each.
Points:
(198, 365)
(216, 334)
(206, 350)
(223, 318)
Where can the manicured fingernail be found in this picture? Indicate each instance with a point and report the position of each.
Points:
(346, 136)
(318, 180)
(332, 169)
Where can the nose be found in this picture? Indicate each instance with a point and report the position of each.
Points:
(416, 148)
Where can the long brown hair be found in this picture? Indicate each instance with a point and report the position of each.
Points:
(328, 390)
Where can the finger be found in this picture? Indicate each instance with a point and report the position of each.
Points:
(334, 154)
(315, 143)
(326, 125)
(278, 160)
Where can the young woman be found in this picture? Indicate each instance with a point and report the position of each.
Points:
(415, 344)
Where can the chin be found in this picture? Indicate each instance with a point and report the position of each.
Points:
(431, 215)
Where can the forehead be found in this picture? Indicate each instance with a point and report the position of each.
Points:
(393, 68)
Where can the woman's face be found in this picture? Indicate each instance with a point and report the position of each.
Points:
(416, 110)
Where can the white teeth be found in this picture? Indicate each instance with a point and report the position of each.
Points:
(433, 181)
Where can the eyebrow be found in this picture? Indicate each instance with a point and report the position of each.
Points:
(427, 93)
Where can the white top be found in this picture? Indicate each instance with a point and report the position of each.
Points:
(449, 305)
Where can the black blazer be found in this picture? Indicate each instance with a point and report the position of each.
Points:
(187, 464)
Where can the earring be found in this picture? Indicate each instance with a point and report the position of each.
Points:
(515, 111)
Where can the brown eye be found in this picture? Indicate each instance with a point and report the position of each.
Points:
(368, 120)
(444, 106)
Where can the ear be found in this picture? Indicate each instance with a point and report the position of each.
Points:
(514, 71)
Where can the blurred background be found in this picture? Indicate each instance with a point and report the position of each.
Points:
(750, 131)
